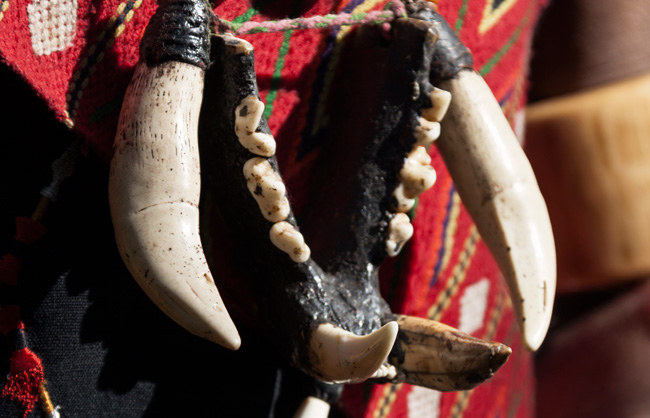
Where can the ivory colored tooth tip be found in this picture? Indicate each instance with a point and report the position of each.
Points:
(340, 356)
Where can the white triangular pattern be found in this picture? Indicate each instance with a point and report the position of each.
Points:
(473, 304)
(423, 403)
(52, 25)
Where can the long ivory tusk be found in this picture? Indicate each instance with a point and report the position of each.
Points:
(498, 187)
(342, 357)
(431, 354)
(154, 192)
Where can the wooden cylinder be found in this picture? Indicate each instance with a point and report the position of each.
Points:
(591, 154)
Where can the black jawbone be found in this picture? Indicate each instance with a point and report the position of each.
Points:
(376, 99)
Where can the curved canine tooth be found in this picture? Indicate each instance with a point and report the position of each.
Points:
(498, 187)
(403, 204)
(154, 192)
(267, 188)
(426, 132)
(400, 230)
(440, 100)
(417, 175)
(437, 356)
(342, 357)
(285, 237)
(247, 118)
(313, 407)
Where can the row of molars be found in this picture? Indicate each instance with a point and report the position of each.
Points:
(417, 175)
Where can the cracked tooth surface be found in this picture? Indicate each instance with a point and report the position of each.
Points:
(437, 356)
(267, 188)
(417, 175)
(400, 230)
(286, 238)
(339, 356)
(497, 186)
(154, 189)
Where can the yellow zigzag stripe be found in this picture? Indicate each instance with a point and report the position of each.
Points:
(458, 275)
(491, 17)
(450, 233)
(435, 312)
(73, 102)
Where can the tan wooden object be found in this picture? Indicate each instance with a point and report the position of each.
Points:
(591, 154)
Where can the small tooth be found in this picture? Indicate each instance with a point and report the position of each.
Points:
(426, 132)
(440, 100)
(258, 143)
(437, 356)
(286, 238)
(248, 115)
(400, 230)
(403, 203)
(313, 407)
(339, 356)
(238, 46)
(386, 371)
(267, 188)
(417, 175)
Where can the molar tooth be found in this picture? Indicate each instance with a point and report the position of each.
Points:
(386, 371)
(426, 132)
(440, 100)
(340, 356)
(313, 407)
(248, 115)
(258, 143)
(286, 238)
(404, 204)
(400, 230)
(417, 175)
(267, 188)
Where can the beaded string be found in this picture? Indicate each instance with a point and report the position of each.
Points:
(26, 382)
(393, 10)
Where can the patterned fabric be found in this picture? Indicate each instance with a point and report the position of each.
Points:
(79, 56)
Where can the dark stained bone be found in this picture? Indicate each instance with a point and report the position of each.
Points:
(347, 218)
(292, 294)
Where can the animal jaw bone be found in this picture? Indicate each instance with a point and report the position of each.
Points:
(309, 296)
